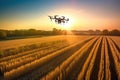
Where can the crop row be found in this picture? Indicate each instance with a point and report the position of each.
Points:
(115, 57)
(49, 66)
(17, 50)
(61, 71)
(93, 58)
(35, 64)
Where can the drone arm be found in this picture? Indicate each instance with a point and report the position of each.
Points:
(67, 19)
(50, 17)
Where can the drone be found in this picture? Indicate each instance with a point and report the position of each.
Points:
(58, 19)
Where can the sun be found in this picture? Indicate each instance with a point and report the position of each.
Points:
(68, 25)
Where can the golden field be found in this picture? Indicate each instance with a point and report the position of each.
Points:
(65, 57)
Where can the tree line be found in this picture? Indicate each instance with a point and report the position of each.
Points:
(114, 32)
(33, 32)
(30, 32)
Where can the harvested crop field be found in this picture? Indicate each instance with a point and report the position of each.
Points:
(61, 58)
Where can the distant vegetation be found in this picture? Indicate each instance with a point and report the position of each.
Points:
(114, 32)
(5, 34)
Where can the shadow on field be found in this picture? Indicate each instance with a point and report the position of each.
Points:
(112, 64)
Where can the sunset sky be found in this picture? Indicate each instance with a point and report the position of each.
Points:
(83, 14)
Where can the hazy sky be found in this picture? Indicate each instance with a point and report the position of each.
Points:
(83, 14)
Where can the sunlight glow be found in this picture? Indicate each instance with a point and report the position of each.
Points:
(69, 24)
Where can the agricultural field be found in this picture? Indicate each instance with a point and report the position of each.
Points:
(65, 57)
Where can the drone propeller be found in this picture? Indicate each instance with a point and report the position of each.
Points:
(67, 19)
(55, 17)
(50, 17)
(63, 17)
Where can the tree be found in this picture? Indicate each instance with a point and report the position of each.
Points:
(105, 32)
(31, 32)
(115, 32)
(3, 34)
(91, 32)
(55, 31)
(98, 32)
(10, 33)
(59, 31)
